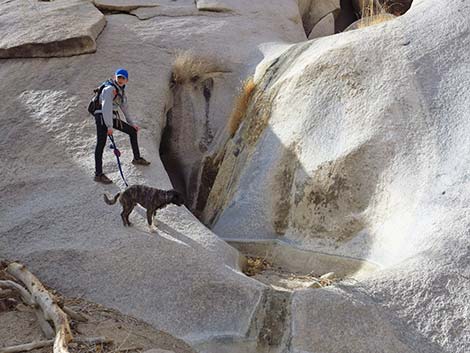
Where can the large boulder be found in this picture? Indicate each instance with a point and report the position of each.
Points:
(312, 11)
(213, 5)
(324, 27)
(47, 29)
(182, 279)
(206, 84)
(364, 326)
(130, 5)
(353, 145)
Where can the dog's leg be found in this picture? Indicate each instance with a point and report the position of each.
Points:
(150, 214)
(125, 208)
(123, 216)
(126, 211)
(149, 217)
(127, 215)
(155, 222)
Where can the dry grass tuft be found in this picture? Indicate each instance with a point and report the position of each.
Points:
(374, 13)
(373, 20)
(240, 106)
(256, 265)
(189, 67)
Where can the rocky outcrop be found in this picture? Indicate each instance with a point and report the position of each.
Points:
(130, 5)
(53, 216)
(213, 5)
(313, 11)
(202, 96)
(351, 157)
(48, 29)
(365, 327)
(324, 27)
(351, 146)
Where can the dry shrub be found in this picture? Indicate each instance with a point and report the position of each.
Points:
(255, 265)
(374, 13)
(240, 106)
(370, 8)
(189, 67)
(373, 20)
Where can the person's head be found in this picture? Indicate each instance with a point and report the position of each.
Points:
(121, 77)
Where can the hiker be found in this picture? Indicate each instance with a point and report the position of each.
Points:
(107, 118)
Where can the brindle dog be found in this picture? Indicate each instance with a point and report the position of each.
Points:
(150, 198)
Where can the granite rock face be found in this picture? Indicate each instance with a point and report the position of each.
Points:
(130, 5)
(53, 217)
(354, 145)
(48, 29)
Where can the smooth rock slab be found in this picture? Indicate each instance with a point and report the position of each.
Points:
(129, 5)
(341, 320)
(313, 11)
(172, 9)
(325, 27)
(213, 5)
(48, 29)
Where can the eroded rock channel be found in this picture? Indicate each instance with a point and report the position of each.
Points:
(283, 270)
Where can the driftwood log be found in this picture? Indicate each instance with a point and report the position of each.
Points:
(42, 297)
(47, 309)
(28, 300)
(46, 343)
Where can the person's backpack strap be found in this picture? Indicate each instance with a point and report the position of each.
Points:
(94, 103)
(118, 90)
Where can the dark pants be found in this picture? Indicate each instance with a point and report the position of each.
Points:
(102, 135)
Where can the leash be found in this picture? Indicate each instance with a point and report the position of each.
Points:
(117, 153)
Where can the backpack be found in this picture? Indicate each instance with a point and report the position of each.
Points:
(95, 104)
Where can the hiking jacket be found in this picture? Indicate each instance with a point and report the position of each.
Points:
(110, 103)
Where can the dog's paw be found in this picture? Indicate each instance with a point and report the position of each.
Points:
(152, 229)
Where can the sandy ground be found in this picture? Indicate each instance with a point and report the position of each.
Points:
(18, 326)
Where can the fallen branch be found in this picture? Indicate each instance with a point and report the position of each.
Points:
(28, 300)
(46, 328)
(93, 340)
(26, 347)
(74, 315)
(44, 299)
(46, 343)
(126, 349)
(25, 296)
(9, 293)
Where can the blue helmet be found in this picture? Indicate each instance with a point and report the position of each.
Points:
(122, 72)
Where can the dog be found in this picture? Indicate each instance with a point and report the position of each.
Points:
(152, 199)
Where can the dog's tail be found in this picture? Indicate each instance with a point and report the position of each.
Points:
(113, 201)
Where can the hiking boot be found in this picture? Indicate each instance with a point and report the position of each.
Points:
(140, 161)
(103, 179)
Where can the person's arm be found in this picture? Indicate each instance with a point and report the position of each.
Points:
(107, 96)
(125, 110)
